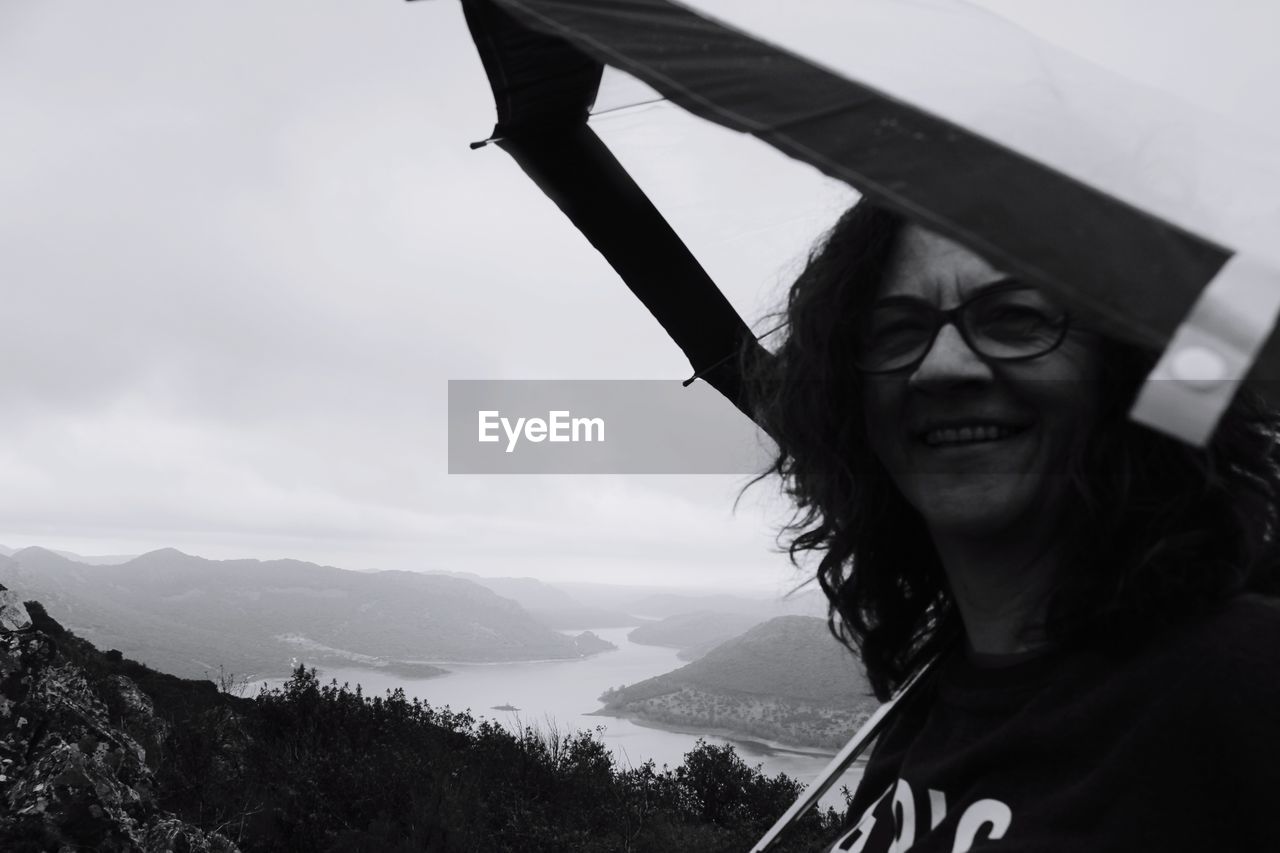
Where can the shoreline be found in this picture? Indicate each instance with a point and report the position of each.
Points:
(774, 746)
(505, 662)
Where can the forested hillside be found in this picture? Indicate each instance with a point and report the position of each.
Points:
(786, 680)
(105, 754)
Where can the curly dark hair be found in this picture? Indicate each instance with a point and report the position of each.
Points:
(1160, 530)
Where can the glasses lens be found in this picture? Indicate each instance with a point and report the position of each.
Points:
(894, 336)
(1015, 323)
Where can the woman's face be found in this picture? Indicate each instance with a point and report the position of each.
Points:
(977, 446)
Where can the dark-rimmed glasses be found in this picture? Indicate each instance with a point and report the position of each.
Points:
(1007, 321)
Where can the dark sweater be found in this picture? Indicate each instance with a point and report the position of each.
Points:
(1172, 746)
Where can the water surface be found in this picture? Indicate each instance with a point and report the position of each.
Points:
(563, 694)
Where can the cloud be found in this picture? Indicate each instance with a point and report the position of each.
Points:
(246, 247)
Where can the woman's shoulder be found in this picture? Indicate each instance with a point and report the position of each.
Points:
(1233, 649)
(1246, 624)
(1230, 650)
(1233, 747)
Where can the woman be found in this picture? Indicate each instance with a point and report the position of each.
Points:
(958, 448)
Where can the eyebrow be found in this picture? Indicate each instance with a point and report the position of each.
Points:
(1001, 282)
(975, 292)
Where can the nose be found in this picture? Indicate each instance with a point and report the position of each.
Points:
(948, 362)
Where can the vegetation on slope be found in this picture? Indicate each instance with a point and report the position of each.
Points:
(313, 767)
(786, 680)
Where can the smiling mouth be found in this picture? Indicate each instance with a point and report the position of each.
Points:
(970, 434)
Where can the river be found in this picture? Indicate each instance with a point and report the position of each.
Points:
(564, 694)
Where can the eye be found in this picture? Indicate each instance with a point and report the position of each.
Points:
(887, 324)
(1015, 316)
(898, 326)
(893, 332)
(898, 316)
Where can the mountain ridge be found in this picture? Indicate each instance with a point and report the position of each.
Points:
(189, 615)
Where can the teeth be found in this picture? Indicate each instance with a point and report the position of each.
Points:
(967, 434)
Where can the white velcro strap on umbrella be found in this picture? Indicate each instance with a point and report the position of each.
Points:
(1211, 352)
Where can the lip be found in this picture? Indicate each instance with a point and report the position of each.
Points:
(968, 432)
(1015, 426)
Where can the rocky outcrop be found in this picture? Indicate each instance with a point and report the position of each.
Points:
(13, 616)
(71, 777)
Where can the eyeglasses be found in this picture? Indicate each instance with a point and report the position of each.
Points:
(1005, 322)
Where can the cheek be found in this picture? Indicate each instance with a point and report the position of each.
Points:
(882, 418)
(1079, 359)
(1066, 387)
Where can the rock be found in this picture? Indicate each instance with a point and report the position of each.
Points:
(13, 613)
(136, 711)
(174, 836)
(69, 777)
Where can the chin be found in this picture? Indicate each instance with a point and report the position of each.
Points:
(975, 507)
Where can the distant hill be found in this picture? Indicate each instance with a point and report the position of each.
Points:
(694, 634)
(786, 680)
(550, 605)
(657, 603)
(580, 617)
(98, 560)
(188, 615)
(530, 593)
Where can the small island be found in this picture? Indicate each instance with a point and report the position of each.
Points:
(589, 643)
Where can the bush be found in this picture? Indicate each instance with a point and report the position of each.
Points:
(322, 767)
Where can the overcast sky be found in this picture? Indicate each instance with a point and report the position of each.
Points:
(244, 245)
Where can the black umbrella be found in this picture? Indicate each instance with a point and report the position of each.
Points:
(1139, 274)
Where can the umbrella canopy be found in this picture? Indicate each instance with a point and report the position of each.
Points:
(1148, 207)
(1148, 200)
